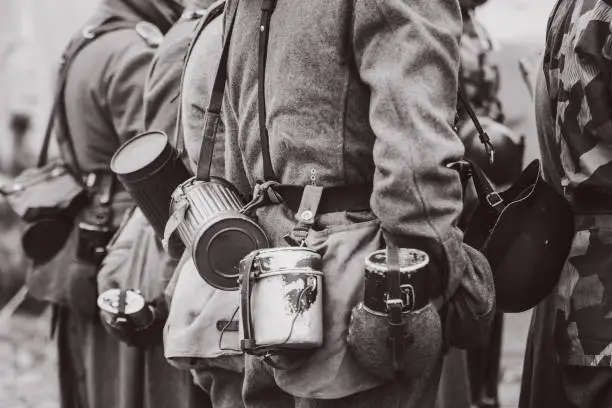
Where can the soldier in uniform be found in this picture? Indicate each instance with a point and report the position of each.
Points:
(219, 372)
(101, 107)
(137, 260)
(573, 117)
(357, 93)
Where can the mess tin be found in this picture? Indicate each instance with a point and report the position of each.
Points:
(206, 218)
(150, 170)
(125, 309)
(281, 303)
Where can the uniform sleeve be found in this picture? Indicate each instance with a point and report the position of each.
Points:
(407, 52)
(125, 91)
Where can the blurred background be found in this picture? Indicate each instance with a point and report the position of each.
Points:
(32, 36)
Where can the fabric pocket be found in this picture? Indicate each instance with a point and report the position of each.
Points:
(198, 324)
(331, 371)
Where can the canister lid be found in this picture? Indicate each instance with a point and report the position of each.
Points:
(109, 301)
(221, 243)
(410, 260)
(139, 157)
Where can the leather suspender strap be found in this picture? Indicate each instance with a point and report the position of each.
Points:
(395, 306)
(484, 190)
(58, 109)
(267, 8)
(213, 112)
(212, 13)
(482, 135)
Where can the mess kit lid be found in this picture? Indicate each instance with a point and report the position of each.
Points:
(139, 157)
(220, 245)
(109, 301)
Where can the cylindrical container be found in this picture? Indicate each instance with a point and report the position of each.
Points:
(369, 335)
(286, 299)
(213, 229)
(137, 314)
(149, 169)
(411, 261)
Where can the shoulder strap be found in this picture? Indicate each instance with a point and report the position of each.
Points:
(213, 12)
(482, 135)
(211, 117)
(57, 110)
(267, 8)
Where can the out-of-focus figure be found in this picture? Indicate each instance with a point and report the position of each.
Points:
(480, 81)
(569, 355)
(20, 80)
(99, 107)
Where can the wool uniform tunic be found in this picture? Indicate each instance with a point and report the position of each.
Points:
(357, 93)
(103, 101)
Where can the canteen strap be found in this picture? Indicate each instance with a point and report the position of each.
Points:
(213, 111)
(395, 305)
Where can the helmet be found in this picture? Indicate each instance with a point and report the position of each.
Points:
(509, 150)
(525, 232)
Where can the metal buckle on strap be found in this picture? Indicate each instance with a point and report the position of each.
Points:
(494, 199)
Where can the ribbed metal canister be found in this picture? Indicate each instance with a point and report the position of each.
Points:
(204, 200)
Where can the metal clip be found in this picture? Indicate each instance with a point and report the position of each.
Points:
(494, 199)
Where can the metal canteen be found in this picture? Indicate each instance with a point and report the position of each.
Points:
(286, 299)
(212, 228)
(369, 327)
(411, 262)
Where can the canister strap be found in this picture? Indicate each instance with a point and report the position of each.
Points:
(398, 337)
(305, 216)
(213, 111)
(175, 220)
(247, 344)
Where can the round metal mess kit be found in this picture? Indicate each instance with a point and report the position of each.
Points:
(135, 311)
(149, 169)
(286, 299)
(212, 228)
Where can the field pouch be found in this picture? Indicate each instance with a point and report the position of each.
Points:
(47, 198)
(43, 192)
(67, 280)
(330, 371)
(202, 322)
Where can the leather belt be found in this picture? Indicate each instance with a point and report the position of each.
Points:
(585, 200)
(333, 199)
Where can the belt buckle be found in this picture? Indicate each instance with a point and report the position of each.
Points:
(494, 199)
(406, 301)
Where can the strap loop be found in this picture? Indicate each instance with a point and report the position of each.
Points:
(305, 216)
(213, 111)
